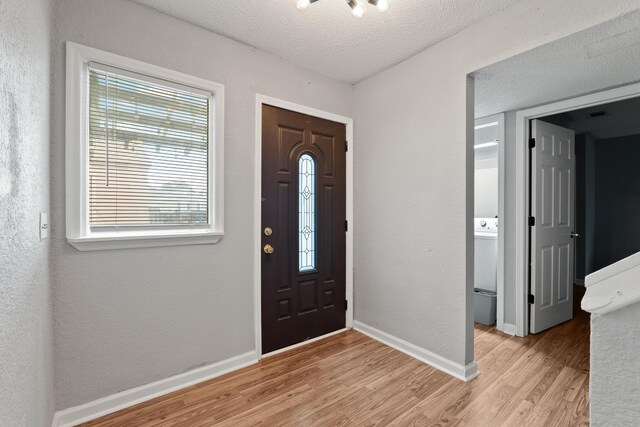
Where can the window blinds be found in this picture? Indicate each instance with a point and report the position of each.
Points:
(148, 152)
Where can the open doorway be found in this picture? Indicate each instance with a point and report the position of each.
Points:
(488, 209)
(546, 286)
(602, 196)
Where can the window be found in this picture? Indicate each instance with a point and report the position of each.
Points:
(306, 213)
(144, 154)
(148, 150)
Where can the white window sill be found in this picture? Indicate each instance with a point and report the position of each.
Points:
(115, 240)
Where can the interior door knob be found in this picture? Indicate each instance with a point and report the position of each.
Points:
(268, 249)
(573, 235)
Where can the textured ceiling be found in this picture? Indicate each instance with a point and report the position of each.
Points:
(326, 38)
(601, 57)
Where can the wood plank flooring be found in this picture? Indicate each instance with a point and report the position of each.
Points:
(351, 380)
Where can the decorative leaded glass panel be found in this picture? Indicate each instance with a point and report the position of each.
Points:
(307, 213)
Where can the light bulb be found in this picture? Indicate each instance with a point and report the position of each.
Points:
(358, 9)
(302, 4)
(383, 5)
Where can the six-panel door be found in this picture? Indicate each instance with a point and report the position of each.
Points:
(552, 204)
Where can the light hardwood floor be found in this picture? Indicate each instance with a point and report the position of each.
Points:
(350, 379)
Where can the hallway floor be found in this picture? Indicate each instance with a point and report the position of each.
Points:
(350, 379)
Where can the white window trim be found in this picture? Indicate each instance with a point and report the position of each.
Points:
(78, 231)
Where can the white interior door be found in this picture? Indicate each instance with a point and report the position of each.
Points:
(552, 205)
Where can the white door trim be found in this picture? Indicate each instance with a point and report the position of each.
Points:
(499, 118)
(522, 181)
(260, 101)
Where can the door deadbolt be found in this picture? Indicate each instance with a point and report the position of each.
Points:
(268, 231)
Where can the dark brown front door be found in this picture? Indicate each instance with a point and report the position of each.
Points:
(303, 227)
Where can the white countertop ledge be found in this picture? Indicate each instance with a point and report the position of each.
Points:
(613, 287)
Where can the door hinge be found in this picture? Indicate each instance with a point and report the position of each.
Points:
(531, 299)
(346, 226)
(532, 221)
(346, 146)
(346, 305)
(532, 143)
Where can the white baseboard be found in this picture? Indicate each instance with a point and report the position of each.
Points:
(509, 328)
(116, 402)
(464, 373)
(107, 405)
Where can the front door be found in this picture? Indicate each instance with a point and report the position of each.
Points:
(303, 227)
(552, 232)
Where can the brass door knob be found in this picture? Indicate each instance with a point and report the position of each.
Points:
(268, 249)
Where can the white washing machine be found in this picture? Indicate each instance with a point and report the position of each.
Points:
(486, 253)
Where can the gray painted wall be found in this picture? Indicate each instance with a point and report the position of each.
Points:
(580, 207)
(486, 173)
(508, 223)
(124, 318)
(590, 206)
(414, 167)
(486, 188)
(617, 204)
(26, 336)
(585, 206)
(615, 368)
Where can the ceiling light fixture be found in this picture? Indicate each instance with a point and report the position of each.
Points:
(303, 4)
(382, 5)
(358, 7)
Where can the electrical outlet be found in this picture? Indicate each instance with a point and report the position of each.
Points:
(44, 226)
